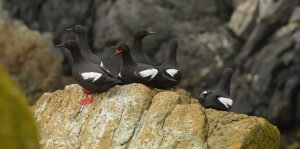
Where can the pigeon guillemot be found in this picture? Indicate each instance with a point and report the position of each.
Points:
(88, 75)
(218, 99)
(137, 50)
(132, 72)
(169, 67)
(84, 46)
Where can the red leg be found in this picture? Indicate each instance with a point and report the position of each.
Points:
(86, 91)
(86, 101)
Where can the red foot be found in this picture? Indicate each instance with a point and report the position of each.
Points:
(86, 91)
(86, 101)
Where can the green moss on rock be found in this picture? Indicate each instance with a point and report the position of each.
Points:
(17, 128)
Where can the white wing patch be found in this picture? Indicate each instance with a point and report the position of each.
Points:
(172, 72)
(119, 75)
(225, 101)
(101, 64)
(91, 75)
(149, 72)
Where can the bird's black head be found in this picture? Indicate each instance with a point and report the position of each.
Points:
(228, 73)
(202, 96)
(142, 34)
(173, 44)
(78, 29)
(69, 44)
(121, 48)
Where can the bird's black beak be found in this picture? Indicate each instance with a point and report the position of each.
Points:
(60, 45)
(69, 29)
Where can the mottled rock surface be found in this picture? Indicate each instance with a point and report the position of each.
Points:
(135, 116)
(17, 127)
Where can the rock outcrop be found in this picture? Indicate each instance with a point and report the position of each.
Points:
(268, 67)
(135, 116)
(17, 127)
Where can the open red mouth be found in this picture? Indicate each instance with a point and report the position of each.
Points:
(118, 51)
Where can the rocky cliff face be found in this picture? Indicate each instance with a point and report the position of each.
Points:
(135, 116)
(26, 55)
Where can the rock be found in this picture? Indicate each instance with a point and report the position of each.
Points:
(267, 66)
(27, 57)
(271, 15)
(135, 116)
(17, 125)
(295, 15)
(290, 142)
(244, 17)
(273, 78)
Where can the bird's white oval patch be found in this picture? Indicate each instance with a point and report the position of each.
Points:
(225, 101)
(172, 72)
(91, 75)
(204, 93)
(119, 75)
(149, 72)
(101, 64)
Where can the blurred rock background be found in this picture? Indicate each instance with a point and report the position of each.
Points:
(260, 39)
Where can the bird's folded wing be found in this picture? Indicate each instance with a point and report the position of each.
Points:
(147, 74)
(225, 101)
(172, 72)
(91, 76)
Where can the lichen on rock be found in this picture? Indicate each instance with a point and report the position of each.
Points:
(136, 116)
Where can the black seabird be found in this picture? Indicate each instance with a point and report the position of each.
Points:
(132, 72)
(84, 46)
(169, 67)
(218, 99)
(88, 75)
(137, 49)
